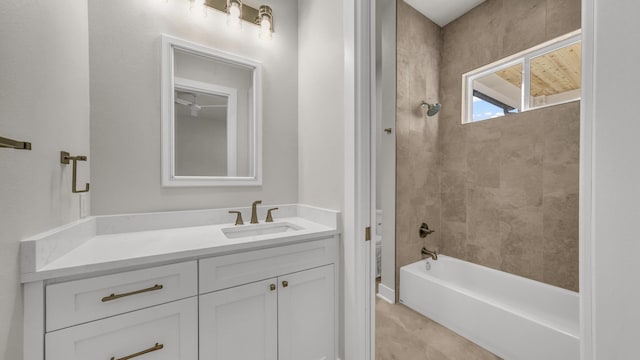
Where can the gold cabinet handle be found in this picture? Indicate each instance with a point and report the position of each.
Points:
(118, 296)
(272, 287)
(285, 283)
(156, 347)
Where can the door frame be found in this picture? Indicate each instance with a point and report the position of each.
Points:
(586, 207)
(359, 315)
(360, 91)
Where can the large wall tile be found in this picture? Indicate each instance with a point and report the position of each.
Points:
(500, 193)
(522, 245)
(419, 43)
(525, 25)
(508, 184)
(563, 16)
(560, 248)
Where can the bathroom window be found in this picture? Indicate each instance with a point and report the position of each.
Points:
(546, 75)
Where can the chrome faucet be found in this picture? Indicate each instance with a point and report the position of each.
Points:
(428, 253)
(254, 214)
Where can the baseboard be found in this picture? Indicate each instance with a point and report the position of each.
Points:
(387, 294)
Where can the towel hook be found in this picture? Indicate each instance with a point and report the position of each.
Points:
(64, 159)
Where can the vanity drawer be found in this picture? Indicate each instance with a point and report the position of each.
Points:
(236, 269)
(75, 302)
(163, 332)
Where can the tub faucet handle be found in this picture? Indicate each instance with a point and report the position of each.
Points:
(424, 230)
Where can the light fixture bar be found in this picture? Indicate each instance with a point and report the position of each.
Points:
(249, 14)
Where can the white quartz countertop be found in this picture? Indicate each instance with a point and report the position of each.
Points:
(101, 244)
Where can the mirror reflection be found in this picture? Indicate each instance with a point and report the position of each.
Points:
(212, 133)
(201, 129)
(211, 117)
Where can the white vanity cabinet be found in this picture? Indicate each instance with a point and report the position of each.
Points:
(275, 302)
(151, 312)
(290, 317)
(306, 315)
(163, 332)
(79, 301)
(240, 322)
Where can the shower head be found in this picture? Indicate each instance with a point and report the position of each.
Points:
(432, 109)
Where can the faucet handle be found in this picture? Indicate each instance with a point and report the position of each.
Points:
(238, 217)
(424, 230)
(269, 217)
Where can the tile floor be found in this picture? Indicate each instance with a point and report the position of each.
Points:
(403, 334)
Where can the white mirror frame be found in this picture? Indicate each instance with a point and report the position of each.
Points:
(169, 178)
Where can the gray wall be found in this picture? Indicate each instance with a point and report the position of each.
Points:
(321, 120)
(419, 44)
(502, 193)
(321, 103)
(125, 103)
(44, 99)
(509, 185)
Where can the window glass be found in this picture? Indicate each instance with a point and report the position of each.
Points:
(497, 94)
(555, 76)
(544, 75)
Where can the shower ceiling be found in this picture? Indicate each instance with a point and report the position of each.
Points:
(443, 12)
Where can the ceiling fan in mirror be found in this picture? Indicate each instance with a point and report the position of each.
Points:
(193, 106)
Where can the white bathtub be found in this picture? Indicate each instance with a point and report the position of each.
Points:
(511, 316)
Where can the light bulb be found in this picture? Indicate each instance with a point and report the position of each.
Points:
(233, 19)
(265, 28)
(265, 21)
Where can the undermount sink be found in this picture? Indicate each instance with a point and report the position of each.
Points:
(259, 229)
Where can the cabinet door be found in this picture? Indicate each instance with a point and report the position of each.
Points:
(240, 323)
(306, 318)
(163, 332)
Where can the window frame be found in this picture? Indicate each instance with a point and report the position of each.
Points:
(524, 58)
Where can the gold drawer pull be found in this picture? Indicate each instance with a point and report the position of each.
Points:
(118, 296)
(156, 347)
(285, 283)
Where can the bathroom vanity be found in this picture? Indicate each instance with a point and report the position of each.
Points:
(184, 285)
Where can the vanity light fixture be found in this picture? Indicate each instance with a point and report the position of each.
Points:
(265, 20)
(234, 11)
(237, 11)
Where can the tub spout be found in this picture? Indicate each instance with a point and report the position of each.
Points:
(428, 253)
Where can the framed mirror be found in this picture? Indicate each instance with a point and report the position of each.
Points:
(211, 117)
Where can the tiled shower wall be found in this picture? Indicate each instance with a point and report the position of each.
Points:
(507, 192)
(419, 43)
